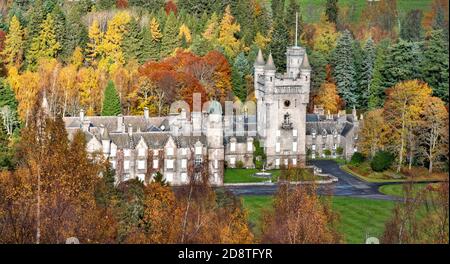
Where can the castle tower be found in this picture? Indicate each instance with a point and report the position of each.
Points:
(214, 135)
(259, 71)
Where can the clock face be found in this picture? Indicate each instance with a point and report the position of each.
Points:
(287, 103)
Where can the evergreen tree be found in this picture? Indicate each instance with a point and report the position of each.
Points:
(45, 45)
(401, 63)
(76, 32)
(293, 8)
(278, 44)
(243, 12)
(156, 38)
(277, 8)
(331, 11)
(105, 4)
(132, 41)
(169, 41)
(59, 19)
(198, 7)
(435, 64)
(411, 26)
(150, 5)
(367, 69)
(36, 17)
(13, 51)
(358, 56)
(5, 151)
(241, 68)
(344, 69)
(376, 93)
(111, 101)
(146, 48)
(200, 46)
(8, 108)
(228, 29)
(318, 63)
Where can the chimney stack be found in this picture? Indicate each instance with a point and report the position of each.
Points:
(120, 123)
(81, 114)
(130, 130)
(146, 113)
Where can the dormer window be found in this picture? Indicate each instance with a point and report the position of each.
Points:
(198, 150)
(232, 146)
(127, 152)
(169, 151)
(141, 152)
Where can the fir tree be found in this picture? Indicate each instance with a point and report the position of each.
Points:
(150, 5)
(111, 101)
(241, 68)
(331, 11)
(277, 8)
(411, 26)
(344, 69)
(376, 93)
(59, 19)
(76, 33)
(358, 56)
(435, 64)
(169, 41)
(146, 52)
(318, 63)
(401, 63)
(367, 69)
(278, 44)
(293, 8)
(132, 41)
(201, 46)
(105, 4)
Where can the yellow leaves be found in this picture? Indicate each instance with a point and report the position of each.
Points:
(186, 33)
(26, 87)
(228, 28)
(212, 29)
(77, 57)
(95, 38)
(13, 50)
(261, 41)
(326, 36)
(155, 30)
(328, 97)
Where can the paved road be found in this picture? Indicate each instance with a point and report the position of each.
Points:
(347, 185)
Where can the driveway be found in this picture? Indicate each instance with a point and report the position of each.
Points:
(347, 185)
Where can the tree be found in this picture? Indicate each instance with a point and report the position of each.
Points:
(279, 42)
(433, 131)
(45, 45)
(373, 133)
(376, 93)
(331, 11)
(8, 108)
(185, 36)
(150, 5)
(111, 101)
(169, 40)
(132, 41)
(228, 29)
(435, 65)
(59, 19)
(105, 4)
(328, 97)
(401, 63)
(411, 26)
(402, 111)
(344, 69)
(95, 38)
(13, 51)
(367, 70)
(76, 33)
(299, 217)
(5, 150)
(241, 68)
(292, 9)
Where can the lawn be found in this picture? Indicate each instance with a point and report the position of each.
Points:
(246, 175)
(397, 189)
(312, 9)
(359, 217)
(364, 172)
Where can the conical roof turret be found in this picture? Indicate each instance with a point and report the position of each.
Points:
(259, 59)
(270, 65)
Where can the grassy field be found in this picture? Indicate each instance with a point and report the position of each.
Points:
(245, 175)
(397, 189)
(359, 217)
(365, 173)
(312, 9)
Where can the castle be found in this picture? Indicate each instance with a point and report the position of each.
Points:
(140, 146)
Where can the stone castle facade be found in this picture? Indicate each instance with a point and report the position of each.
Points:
(140, 146)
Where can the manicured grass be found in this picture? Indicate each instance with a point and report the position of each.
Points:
(312, 9)
(358, 217)
(364, 172)
(397, 189)
(245, 175)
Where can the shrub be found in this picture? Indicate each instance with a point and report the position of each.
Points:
(339, 150)
(381, 161)
(239, 164)
(327, 152)
(357, 158)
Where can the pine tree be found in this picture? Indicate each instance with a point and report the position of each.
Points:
(278, 44)
(331, 11)
(111, 101)
(318, 63)
(344, 69)
(277, 8)
(185, 36)
(228, 29)
(132, 41)
(169, 40)
(156, 37)
(45, 44)
(367, 69)
(13, 51)
(241, 68)
(59, 19)
(435, 65)
(150, 5)
(105, 4)
(76, 32)
(401, 63)
(36, 18)
(358, 55)
(242, 10)
(146, 43)
(411, 26)
(376, 95)
(293, 8)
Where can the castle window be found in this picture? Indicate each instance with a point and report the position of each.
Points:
(169, 177)
(232, 161)
(216, 164)
(169, 164)
(232, 146)
(198, 150)
(313, 147)
(169, 151)
(287, 103)
(216, 176)
(286, 162)
(278, 133)
(183, 163)
(141, 164)
(294, 132)
(249, 146)
(127, 153)
(183, 176)
(155, 164)
(183, 151)
(277, 147)
(277, 162)
(270, 78)
(141, 152)
(113, 151)
(113, 164)
(294, 161)
(126, 165)
(294, 146)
